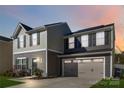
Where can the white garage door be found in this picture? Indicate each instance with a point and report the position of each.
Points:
(93, 68)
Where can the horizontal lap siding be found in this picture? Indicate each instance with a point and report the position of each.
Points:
(41, 54)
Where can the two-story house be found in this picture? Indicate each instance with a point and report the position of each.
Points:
(5, 54)
(39, 48)
(59, 52)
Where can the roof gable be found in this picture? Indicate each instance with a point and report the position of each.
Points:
(18, 29)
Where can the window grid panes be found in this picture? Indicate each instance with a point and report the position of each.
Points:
(21, 41)
(34, 39)
(84, 40)
(21, 64)
(100, 38)
(71, 42)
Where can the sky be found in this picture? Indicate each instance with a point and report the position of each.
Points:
(77, 17)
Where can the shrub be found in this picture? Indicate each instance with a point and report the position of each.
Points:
(21, 73)
(8, 73)
(122, 74)
(16, 73)
(38, 73)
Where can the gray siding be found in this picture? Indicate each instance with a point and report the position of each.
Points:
(54, 65)
(109, 42)
(107, 65)
(43, 42)
(29, 56)
(55, 36)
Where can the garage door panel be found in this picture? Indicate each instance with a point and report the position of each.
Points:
(92, 69)
(71, 69)
(85, 68)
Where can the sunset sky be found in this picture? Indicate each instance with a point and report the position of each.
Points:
(78, 17)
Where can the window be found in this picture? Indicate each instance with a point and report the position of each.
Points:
(71, 42)
(98, 60)
(21, 63)
(21, 40)
(100, 38)
(24, 64)
(67, 61)
(18, 64)
(34, 39)
(84, 40)
(86, 60)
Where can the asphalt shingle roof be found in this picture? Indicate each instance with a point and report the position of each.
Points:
(5, 38)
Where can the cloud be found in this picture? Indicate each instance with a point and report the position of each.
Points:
(78, 16)
(97, 15)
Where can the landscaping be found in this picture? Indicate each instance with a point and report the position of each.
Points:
(6, 82)
(109, 83)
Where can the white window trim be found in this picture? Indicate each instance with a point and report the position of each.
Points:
(21, 41)
(71, 40)
(21, 58)
(98, 38)
(87, 39)
(29, 51)
(34, 39)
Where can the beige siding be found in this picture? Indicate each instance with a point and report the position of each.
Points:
(5, 56)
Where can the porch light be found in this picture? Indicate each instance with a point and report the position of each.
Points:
(37, 60)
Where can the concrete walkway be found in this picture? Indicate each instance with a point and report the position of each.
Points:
(61, 82)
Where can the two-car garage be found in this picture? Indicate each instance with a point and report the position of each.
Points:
(85, 67)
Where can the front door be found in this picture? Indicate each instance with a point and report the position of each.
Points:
(34, 65)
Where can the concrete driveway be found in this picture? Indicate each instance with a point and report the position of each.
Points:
(61, 82)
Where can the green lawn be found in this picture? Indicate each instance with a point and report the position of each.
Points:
(5, 82)
(109, 84)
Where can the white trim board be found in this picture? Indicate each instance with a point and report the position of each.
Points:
(56, 51)
(29, 51)
(111, 66)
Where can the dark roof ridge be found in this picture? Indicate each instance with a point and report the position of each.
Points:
(26, 26)
(5, 38)
(92, 28)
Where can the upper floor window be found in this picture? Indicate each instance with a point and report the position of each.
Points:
(21, 41)
(34, 39)
(84, 40)
(100, 38)
(71, 42)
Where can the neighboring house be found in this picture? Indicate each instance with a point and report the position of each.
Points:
(59, 52)
(5, 54)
